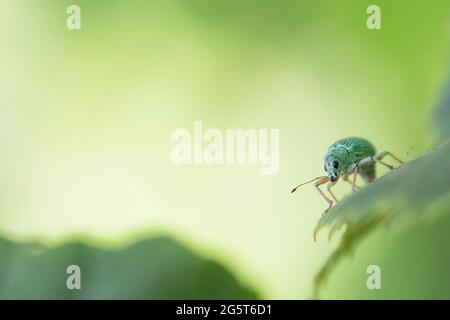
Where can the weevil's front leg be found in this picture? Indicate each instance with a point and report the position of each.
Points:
(329, 185)
(355, 174)
(380, 155)
(317, 184)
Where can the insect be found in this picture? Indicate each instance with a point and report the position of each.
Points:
(345, 157)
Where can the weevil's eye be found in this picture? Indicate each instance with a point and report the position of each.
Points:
(335, 164)
(325, 167)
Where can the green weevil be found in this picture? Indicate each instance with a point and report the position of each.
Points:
(346, 157)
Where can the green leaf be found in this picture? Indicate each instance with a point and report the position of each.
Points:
(157, 268)
(441, 115)
(419, 187)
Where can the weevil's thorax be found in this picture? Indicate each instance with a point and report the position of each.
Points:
(337, 162)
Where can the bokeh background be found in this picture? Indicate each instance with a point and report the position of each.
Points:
(86, 119)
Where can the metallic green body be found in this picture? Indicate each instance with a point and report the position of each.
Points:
(347, 152)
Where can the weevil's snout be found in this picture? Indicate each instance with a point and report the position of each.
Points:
(333, 178)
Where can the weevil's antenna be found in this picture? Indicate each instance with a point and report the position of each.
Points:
(302, 184)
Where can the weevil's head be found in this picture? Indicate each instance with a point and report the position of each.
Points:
(333, 165)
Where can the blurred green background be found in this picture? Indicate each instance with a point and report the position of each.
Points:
(86, 119)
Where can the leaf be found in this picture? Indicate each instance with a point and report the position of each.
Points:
(441, 115)
(421, 186)
(157, 268)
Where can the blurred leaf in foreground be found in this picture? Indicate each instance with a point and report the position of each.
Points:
(158, 268)
(441, 114)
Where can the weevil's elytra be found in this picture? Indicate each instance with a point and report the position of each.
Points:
(346, 157)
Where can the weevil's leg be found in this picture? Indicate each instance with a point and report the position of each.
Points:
(385, 164)
(329, 185)
(355, 174)
(377, 158)
(317, 184)
(345, 178)
(380, 155)
(395, 158)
